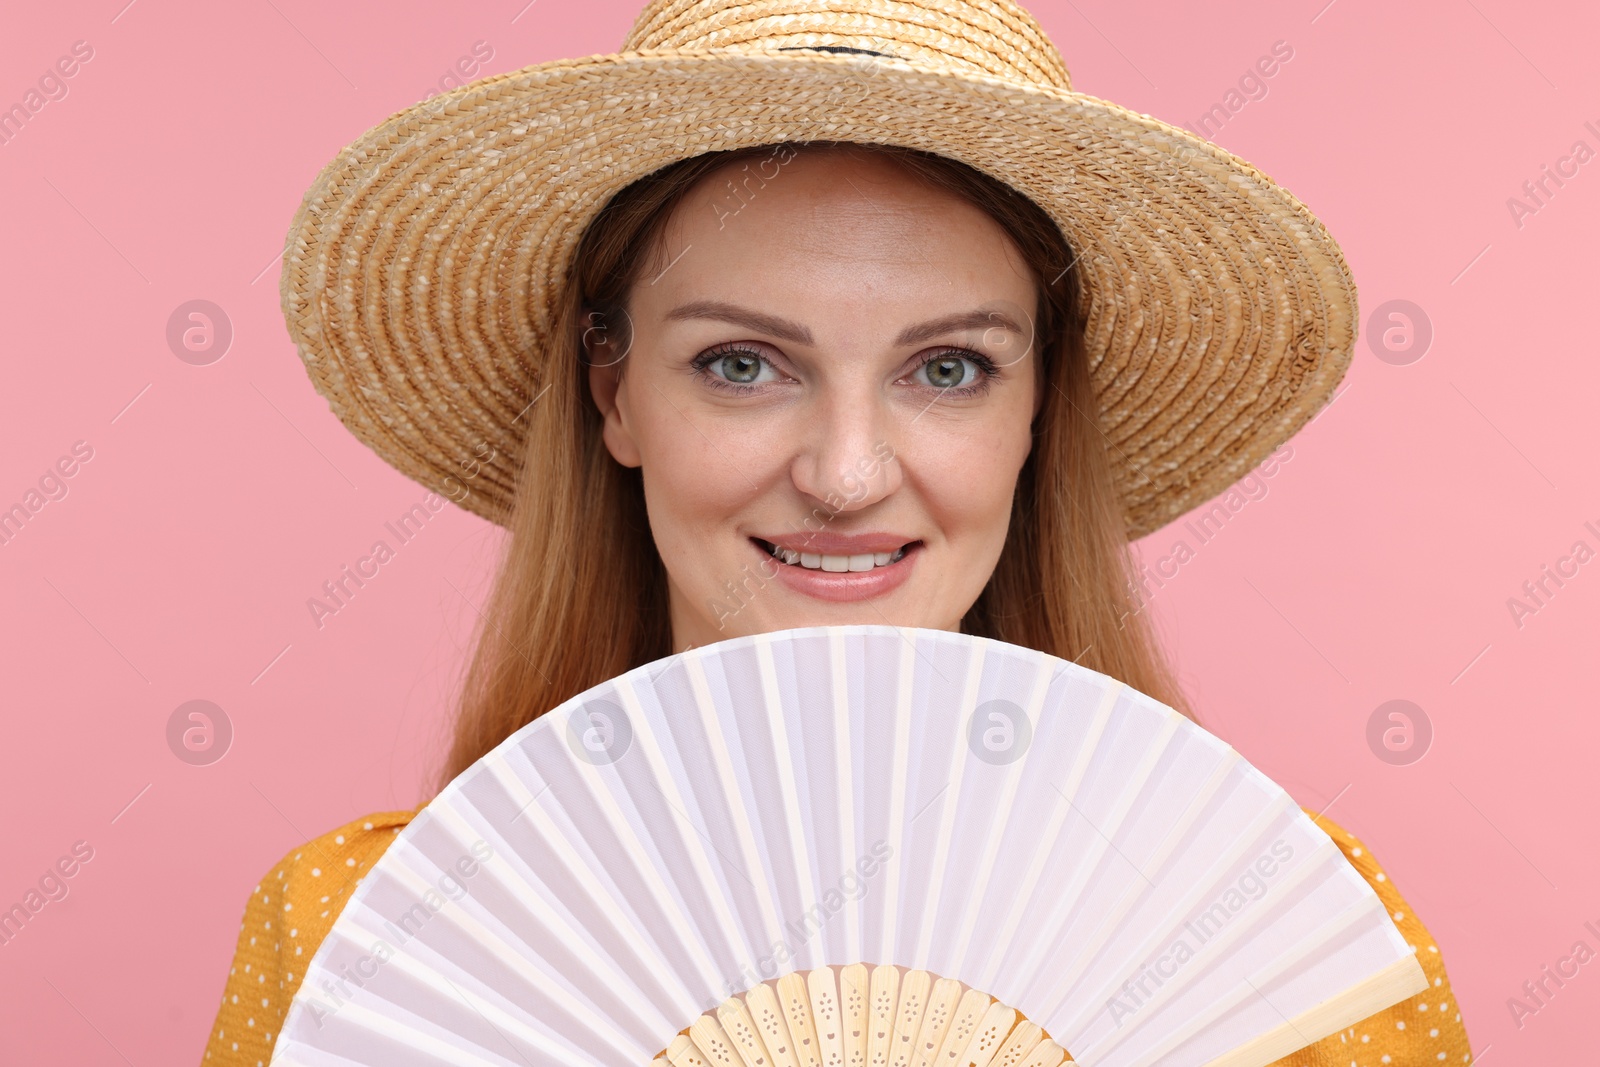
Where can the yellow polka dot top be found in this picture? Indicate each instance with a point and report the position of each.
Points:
(293, 908)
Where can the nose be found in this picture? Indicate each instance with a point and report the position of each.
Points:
(846, 458)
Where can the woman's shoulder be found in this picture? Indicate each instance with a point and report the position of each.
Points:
(288, 914)
(312, 881)
(1425, 1028)
(1366, 864)
(354, 844)
(310, 884)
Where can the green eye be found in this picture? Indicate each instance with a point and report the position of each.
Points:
(735, 369)
(740, 368)
(946, 372)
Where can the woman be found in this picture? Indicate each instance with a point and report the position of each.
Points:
(802, 381)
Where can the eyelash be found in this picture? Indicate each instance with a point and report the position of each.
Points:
(986, 366)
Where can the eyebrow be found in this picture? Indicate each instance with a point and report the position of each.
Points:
(793, 331)
(752, 320)
(961, 320)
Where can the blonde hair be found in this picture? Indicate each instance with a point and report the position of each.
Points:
(580, 594)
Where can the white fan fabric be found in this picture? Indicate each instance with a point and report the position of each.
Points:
(831, 795)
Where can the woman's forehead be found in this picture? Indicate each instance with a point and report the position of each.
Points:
(828, 226)
(827, 177)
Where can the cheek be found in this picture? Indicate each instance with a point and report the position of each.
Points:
(699, 476)
(967, 477)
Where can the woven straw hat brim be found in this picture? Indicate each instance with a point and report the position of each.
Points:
(421, 269)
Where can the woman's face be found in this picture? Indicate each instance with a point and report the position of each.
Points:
(836, 360)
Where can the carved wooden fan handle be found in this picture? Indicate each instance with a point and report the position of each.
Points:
(856, 1016)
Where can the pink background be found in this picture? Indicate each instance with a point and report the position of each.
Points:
(220, 497)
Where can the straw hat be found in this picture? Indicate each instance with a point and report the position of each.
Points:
(423, 268)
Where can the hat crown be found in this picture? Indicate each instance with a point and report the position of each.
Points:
(992, 38)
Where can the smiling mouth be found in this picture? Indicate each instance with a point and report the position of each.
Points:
(818, 561)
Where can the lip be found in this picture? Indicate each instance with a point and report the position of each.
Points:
(843, 586)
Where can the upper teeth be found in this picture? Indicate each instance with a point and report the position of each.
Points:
(817, 561)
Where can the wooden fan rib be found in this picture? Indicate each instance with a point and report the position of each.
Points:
(827, 1015)
(451, 1051)
(993, 1030)
(741, 1029)
(395, 1023)
(1065, 905)
(1101, 848)
(1001, 819)
(602, 1028)
(540, 822)
(844, 767)
(796, 1007)
(805, 878)
(1361, 909)
(947, 812)
(1203, 887)
(704, 1045)
(882, 1004)
(550, 921)
(1197, 968)
(855, 987)
(1048, 1054)
(1132, 789)
(1399, 980)
(855, 1016)
(695, 846)
(748, 852)
(594, 885)
(1024, 1038)
(767, 1014)
(904, 690)
(969, 1013)
(942, 1002)
(914, 991)
(1048, 837)
(714, 1044)
(1072, 970)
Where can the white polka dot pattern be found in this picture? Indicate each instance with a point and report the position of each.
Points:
(273, 951)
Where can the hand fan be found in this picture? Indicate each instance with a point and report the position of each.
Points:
(847, 846)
